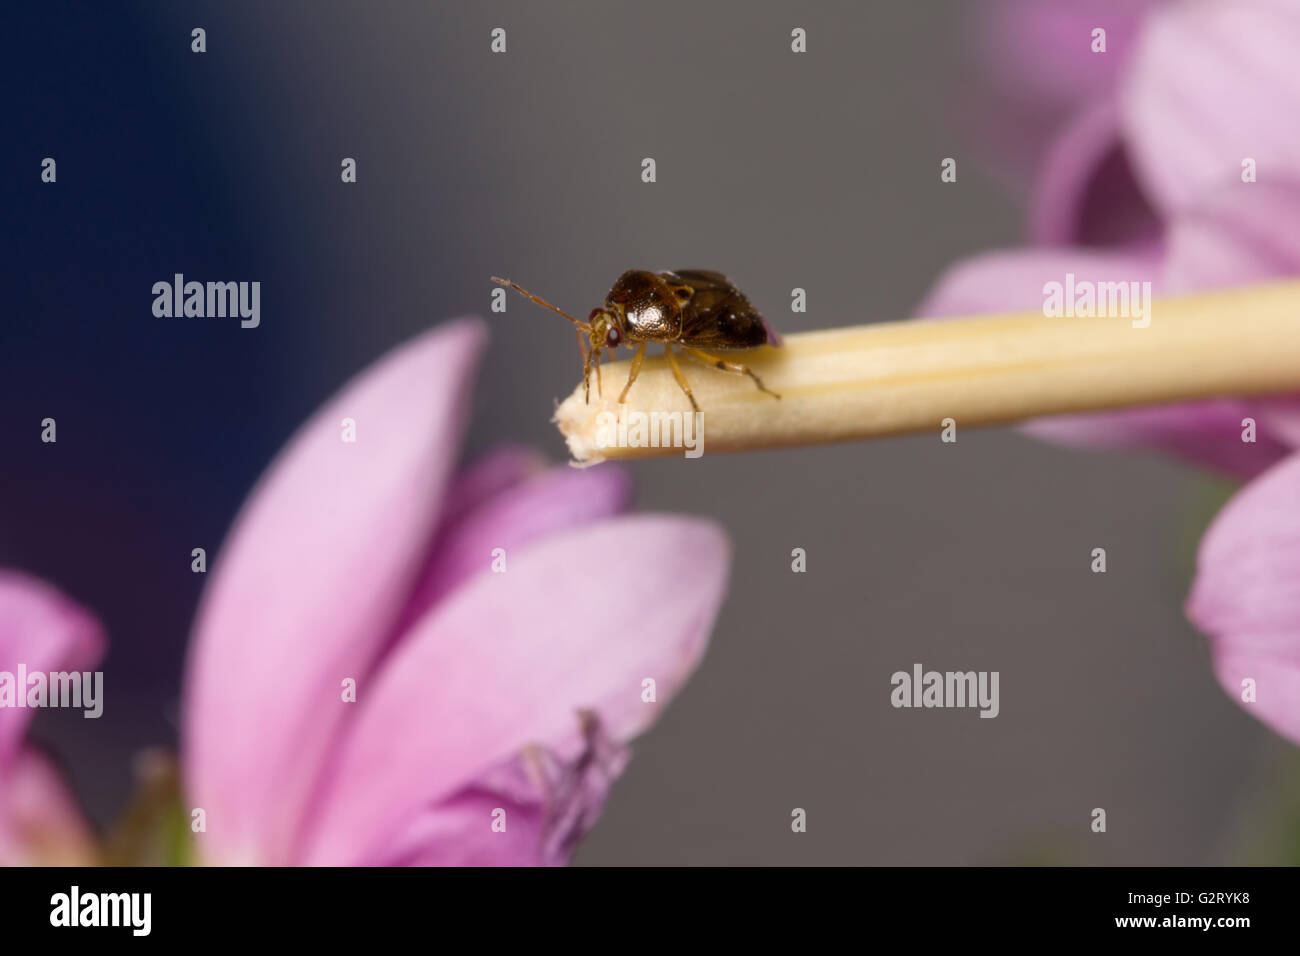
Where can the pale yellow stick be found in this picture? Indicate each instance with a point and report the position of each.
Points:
(897, 377)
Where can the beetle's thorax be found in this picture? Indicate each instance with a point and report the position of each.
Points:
(647, 306)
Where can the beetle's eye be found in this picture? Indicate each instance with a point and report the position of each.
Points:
(683, 293)
(612, 339)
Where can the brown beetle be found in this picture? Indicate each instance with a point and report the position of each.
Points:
(690, 308)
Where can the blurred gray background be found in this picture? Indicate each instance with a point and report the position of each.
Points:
(782, 170)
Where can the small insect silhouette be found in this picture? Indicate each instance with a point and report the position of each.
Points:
(691, 309)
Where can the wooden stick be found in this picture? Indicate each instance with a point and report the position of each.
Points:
(897, 377)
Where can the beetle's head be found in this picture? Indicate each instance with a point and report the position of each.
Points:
(606, 329)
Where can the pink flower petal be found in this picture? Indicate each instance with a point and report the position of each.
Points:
(575, 623)
(555, 500)
(1013, 281)
(44, 631)
(1235, 234)
(1281, 417)
(1086, 193)
(308, 586)
(491, 475)
(531, 811)
(1207, 433)
(459, 833)
(1213, 84)
(40, 823)
(1246, 596)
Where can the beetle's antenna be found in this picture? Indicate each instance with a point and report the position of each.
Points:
(542, 302)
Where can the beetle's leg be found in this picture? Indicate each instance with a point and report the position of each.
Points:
(719, 362)
(632, 374)
(592, 358)
(586, 367)
(681, 379)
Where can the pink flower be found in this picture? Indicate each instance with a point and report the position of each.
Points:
(500, 628)
(1246, 597)
(41, 629)
(1145, 184)
(1150, 179)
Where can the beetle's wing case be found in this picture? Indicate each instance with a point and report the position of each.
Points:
(718, 315)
